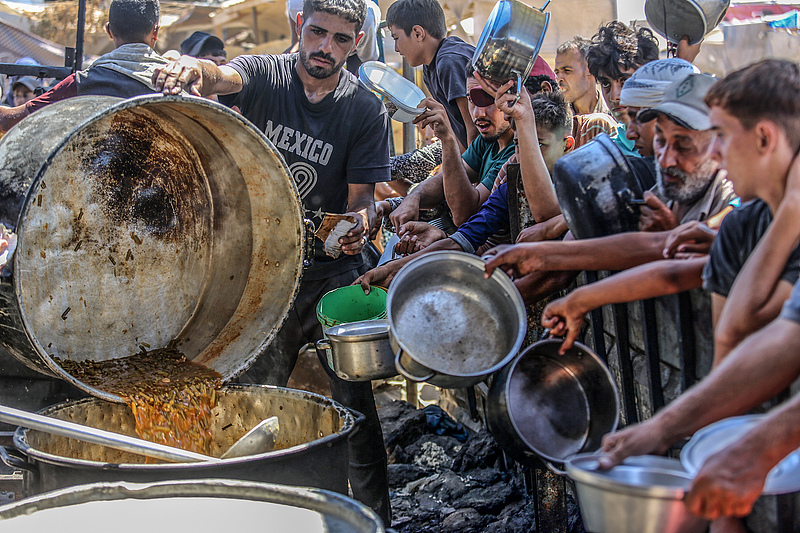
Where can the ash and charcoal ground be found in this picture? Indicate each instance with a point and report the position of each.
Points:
(438, 484)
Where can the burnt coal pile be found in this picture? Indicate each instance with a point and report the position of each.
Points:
(446, 478)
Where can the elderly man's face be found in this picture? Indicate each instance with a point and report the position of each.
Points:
(573, 76)
(686, 161)
(490, 121)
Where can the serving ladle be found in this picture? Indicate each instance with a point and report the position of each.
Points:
(260, 439)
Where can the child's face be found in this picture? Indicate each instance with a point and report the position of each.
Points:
(407, 46)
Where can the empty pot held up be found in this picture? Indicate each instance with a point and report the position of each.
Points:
(674, 19)
(449, 325)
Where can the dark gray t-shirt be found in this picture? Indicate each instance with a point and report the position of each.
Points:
(446, 79)
(739, 234)
(327, 145)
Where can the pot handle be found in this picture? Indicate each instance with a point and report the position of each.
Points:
(324, 350)
(554, 469)
(544, 6)
(405, 373)
(15, 459)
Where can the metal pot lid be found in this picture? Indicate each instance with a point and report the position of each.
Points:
(646, 475)
(364, 330)
(782, 479)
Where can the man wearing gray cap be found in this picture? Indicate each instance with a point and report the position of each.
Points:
(24, 89)
(688, 188)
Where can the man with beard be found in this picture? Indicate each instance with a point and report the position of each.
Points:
(464, 181)
(333, 134)
(688, 181)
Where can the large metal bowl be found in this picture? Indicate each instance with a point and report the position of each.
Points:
(141, 222)
(200, 505)
(642, 495)
(448, 324)
(310, 450)
(674, 19)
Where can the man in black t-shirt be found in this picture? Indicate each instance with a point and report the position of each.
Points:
(333, 134)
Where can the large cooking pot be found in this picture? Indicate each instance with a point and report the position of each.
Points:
(510, 41)
(642, 495)
(450, 326)
(674, 19)
(595, 185)
(552, 406)
(140, 222)
(201, 505)
(359, 351)
(310, 450)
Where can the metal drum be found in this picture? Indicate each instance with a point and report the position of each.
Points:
(141, 222)
(202, 505)
(310, 450)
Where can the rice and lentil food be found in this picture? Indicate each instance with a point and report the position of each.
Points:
(171, 397)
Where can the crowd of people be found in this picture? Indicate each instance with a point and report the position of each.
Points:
(716, 159)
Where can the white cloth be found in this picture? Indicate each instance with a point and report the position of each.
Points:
(647, 85)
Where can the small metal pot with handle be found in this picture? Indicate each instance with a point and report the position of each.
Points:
(359, 351)
(448, 324)
(510, 41)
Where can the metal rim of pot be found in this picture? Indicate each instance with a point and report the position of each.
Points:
(44, 361)
(582, 468)
(499, 411)
(318, 500)
(461, 379)
(351, 419)
(505, 8)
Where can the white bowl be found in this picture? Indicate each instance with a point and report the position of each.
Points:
(404, 95)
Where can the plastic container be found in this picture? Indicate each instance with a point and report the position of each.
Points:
(350, 304)
(403, 93)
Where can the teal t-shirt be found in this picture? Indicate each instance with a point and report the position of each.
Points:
(482, 156)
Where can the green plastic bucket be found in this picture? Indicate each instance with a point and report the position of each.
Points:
(350, 304)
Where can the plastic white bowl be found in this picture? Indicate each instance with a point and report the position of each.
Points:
(403, 94)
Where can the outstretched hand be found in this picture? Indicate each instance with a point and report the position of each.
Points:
(515, 260)
(184, 74)
(565, 319)
(639, 439)
(689, 239)
(415, 235)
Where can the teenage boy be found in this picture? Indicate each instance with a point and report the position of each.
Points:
(756, 114)
(420, 36)
(543, 135)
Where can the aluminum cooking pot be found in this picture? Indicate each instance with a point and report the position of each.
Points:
(200, 505)
(550, 405)
(359, 351)
(642, 495)
(595, 185)
(140, 222)
(510, 41)
(674, 19)
(449, 325)
(310, 451)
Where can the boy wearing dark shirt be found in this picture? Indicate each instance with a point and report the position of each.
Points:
(419, 33)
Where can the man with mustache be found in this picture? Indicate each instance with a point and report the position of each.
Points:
(688, 184)
(333, 134)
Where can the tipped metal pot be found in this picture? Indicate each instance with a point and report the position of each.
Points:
(674, 19)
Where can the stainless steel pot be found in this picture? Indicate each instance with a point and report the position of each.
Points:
(140, 222)
(450, 326)
(550, 405)
(642, 495)
(198, 505)
(311, 448)
(672, 19)
(510, 41)
(359, 351)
